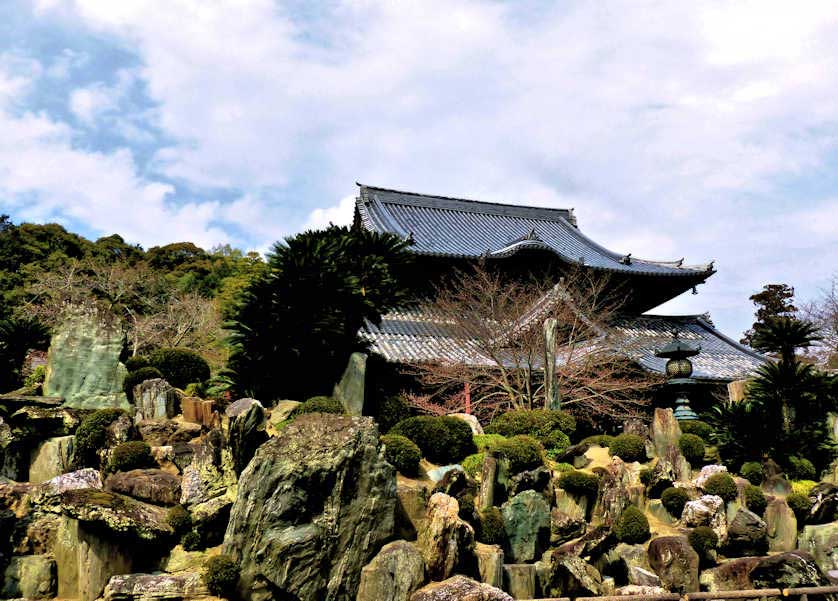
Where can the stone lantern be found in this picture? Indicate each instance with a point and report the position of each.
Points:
(679, 370)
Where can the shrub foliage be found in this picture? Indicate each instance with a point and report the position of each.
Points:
(628, 447)
(443, 439)
(490, 527)
(722, 485)
(131, 455)
(703, 540)
(180, 366)
(222, 576)
(800, 505)
(523, 453)
(755, 499)
(674, 499)
(91, 435)
(753, 472)
(800, 468)
(550, 428)
(694, 426)
(579, 483)
(319, 404)
(632, 527)
(402, 453)
(692, 447)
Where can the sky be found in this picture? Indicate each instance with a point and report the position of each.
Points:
(704, 130)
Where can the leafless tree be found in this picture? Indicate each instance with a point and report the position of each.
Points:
(492, 341)
(823, 312)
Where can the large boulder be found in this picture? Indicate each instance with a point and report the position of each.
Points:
(247, 433)
(394, 574)
(156, 399)
(614, 492)
(564, 527)
(118, 514)
(151, 587)
(732, 575)
(459, 588)
(628, 563)
(665, 434)
(519, 580)
(51, 458)
(709, 510)
(207, 470)
(444, 539)
(526, 519)
(706, 472)
(568, 576)
(30, 577)
(747, 534)
(313, 507)
(80, 479)
(822, 542)
(489, 563)
(83, 364)
(788, 570)
(676, 563)
(824, 500)
(151, 485)
(782, 526)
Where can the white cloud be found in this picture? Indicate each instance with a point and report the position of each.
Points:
(340, 214)
(671, 127)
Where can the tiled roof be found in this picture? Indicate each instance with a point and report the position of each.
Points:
(410, 336)
(456, 227)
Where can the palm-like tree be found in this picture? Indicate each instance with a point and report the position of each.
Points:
(784, 335)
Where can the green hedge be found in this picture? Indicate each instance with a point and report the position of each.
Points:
(523, 452)
(674, 499)
(442, 439)
(180, 366)
(628, 447)
(632, 527)
(487, 442)
(402, 453)
(550, 428)
(701, 429)
(473, 464)
(319, 404)
(490, 529)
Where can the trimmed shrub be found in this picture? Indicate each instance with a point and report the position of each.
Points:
(755, 499)
(196, 389)
(603, 440)
(443, 440)
(800, 468)
(563, 467)
(402, 453)
(392, 410)
(179, 519)
(221, 576)
(138, 377)
(703, 540)
(722, 485)
(692, 448)
(803, 487)
(556, 442)
(581, 484)
(180, 366)
(131, 455)
(466, 503)
(632, 527)
(628, 447)
(490, 528)
(693, 426)
(91, 435)
(487, 442)
(752, 472)
(135, 363)
(191, 541)
(319, 404)
(800, 505)
(674, 499)
(523, 453)
(473, 464)
(646, 475)
(541, 424)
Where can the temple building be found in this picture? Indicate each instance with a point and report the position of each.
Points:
(446, 233)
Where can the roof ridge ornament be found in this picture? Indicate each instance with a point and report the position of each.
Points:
(626, 260)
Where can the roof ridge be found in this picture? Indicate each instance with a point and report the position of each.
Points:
(460, 199)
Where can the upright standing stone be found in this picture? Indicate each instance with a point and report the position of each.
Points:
(393, 574)
(83, 363)
(30, 577)
(51, 458)
(155, 399)
(488, 478)
(247, 433)
(526, 519)
(782, 526)
(665, 435)
(489, 563)
(822, 542)
(198, 411)
(350, 390)
(444, 539)
(519, 580)
(676, 563)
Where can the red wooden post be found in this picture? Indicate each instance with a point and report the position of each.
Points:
(468, 397)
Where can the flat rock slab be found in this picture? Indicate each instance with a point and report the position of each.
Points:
(150, 587)
(117, 513)
(150, 485)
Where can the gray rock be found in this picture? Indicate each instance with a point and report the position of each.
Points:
(155, 399)
(459, 588)
(824, 500)
(614, 492)
(393, 575)
(80, 479)
(443, 538)
(209, 473)
(313, 507)
(350, 391)
(665, 434)
(706, 472)
(526, 520)
(471, 420)
(782, 526)
(564, 527)
(747, 534)
(51, 458)
(247, 433)
(282, 410)
(675, 562)
(732, 575)
(151, 485)
(156, 432)
(709, 511)
(30, 577)
(152, 587)
(822, 542)
(571, 576)
(489, 563)
(519, 580)
(788, 570)
(240, 406)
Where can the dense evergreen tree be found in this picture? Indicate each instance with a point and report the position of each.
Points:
(774, 300)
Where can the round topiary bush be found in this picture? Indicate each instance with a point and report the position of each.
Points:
(487, 442)
(646, 475)
(91, 435)
(319, 404)
(541, 424)
(443, 440)
(755, 499)
(191, 541)
(392, 410)
(800, 468)
(221, 575)
(632, 527)
(562, 467)
(628, 447)
(603, 440)
(135, 363)
(693, 426)
(490, 528)
(674, 499)
(556, 442)
(752, 472)
(692, 448)
(138, 377)
(402, 453)
(523, 452)
(722, 485)
(131, 455)
(581, 484)
(179, 519)
(473, 464)
(800, 505)
(180, 366)
(703, 540)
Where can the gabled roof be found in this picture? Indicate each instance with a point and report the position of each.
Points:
(415, 335)
(455, 227)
